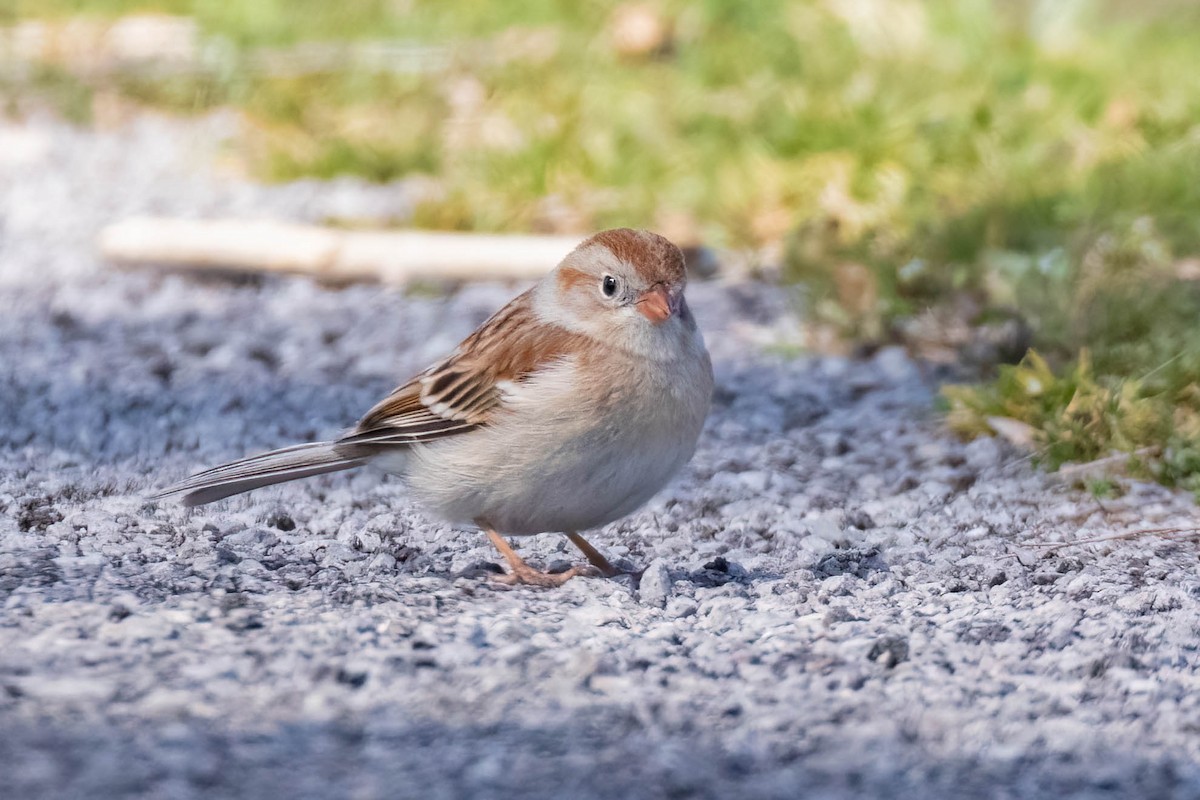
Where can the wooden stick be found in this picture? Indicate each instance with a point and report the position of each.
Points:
(331, 254)
(1124, 535)
(159, 45)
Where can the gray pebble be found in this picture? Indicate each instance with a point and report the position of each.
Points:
(850, 578)
(656, 585)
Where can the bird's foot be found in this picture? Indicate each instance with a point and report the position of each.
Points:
(521, 574)
(601, 564)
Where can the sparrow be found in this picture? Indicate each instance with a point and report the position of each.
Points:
(568, 409)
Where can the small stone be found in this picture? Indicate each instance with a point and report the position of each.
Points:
(352, 677)
(638, 30)
(681, 607)
(367, 541)
(838, 586)
(718, 564)
(337, 553)
(119, 611)
(244, 619)
(889, 651)
(984, 453)
(833, 443)
(895, 363)
(252, 540)
(839, 614)
(481, 569)
(981, 631)
(656, 585)
(294, 577)
(281, 522)
(1081, 587)
(227, 556)
(37, 514)
(859, 519)
(754, 481)
(937, 491)
(717, 572)
(383, 562)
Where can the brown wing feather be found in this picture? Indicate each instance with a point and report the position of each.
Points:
(402, 419)
(462, 392)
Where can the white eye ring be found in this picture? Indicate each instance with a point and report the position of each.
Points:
(609, 286)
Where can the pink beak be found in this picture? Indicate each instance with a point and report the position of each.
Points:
(656, 304)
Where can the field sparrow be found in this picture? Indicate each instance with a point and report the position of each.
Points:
(568, 409)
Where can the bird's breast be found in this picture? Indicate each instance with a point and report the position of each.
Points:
(573, 449)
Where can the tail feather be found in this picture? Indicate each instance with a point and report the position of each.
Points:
(277, 466)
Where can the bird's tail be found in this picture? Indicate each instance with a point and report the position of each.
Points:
(277, 466)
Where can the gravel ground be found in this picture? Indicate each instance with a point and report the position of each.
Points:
(839, 602)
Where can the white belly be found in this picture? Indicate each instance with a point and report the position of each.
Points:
(559, 462)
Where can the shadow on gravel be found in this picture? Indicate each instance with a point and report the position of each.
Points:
(116, 389)
(720, 571)
(603, 752)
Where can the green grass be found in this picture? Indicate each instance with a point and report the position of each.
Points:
(1036, 159)
(1077, 416)
(965, 136)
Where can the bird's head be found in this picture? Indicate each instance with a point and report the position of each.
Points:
(621, 286)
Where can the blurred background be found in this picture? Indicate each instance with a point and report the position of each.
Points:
(969, 178)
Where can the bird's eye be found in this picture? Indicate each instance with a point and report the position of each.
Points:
(609, 286)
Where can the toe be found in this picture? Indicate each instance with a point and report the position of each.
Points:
(531, 577)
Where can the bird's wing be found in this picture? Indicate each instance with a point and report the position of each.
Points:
(465, 391)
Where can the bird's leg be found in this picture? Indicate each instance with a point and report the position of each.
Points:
(520, 572)
(594, 556)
